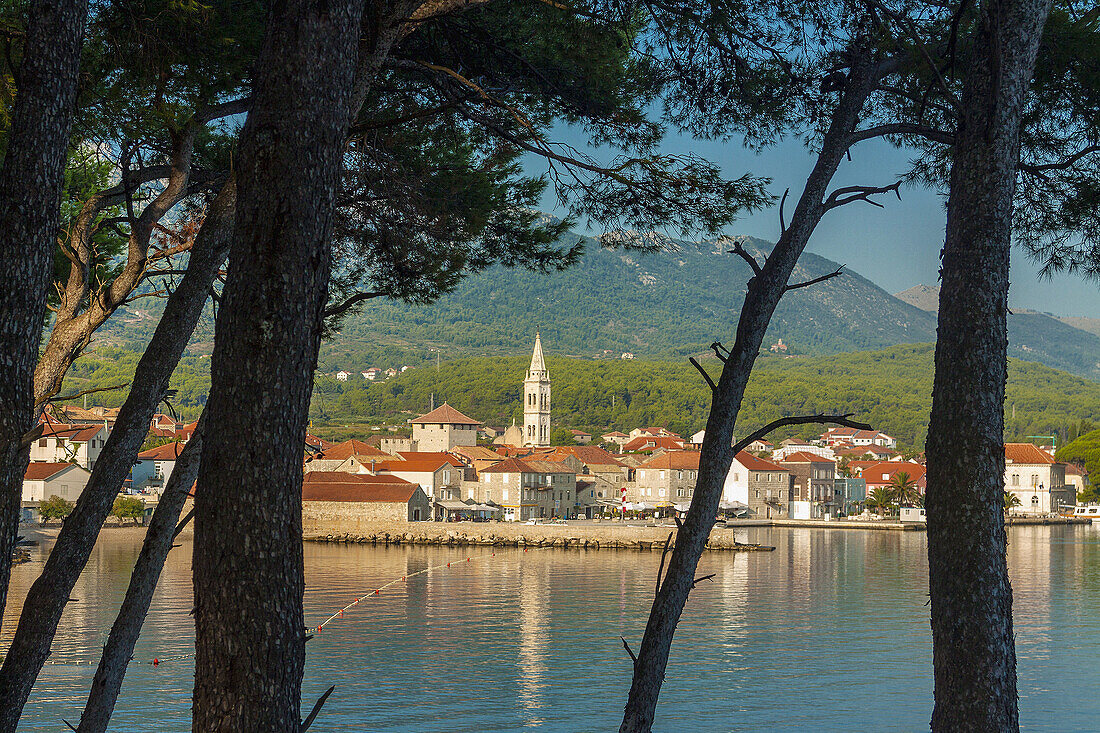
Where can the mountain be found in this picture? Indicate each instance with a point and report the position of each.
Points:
(613, 301)
(1070, 344)
(667, 304)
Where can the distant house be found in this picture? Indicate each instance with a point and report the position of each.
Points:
(61, 443)
(653, 432)
(778, 347)
(794, 445)
(342, 376)
(153, 467)
(581, 437)
(615, 437)
(43, 480)
(442, 429)
(666, 480)
(627, 355)
(391, 372)
(1077, 477)
(881, 474)
(353, 448)
(351, 500)
(854, 436)
(1037, 480)
(372, 374)
(649, 444)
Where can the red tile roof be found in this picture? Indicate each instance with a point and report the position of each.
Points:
(446, 415)
(39, 471)
(338, 486)
(651, 442)
(1026, 453)
(873, 474)
(676, 459)
(753, 463)
(166, 452)
(806, 457)
(420, 464)
(410, 455)
(588, 454)
(615, 434)
(509, 465)
(354, 448)
(72, 433)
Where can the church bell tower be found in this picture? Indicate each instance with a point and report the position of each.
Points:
(536, 400)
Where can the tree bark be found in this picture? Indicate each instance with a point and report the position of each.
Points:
(50, 593)
(248, 574)
(139, 594)
(974, 654)
(30, 191)
(765, 291)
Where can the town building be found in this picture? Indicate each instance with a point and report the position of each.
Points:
(43, 480)
(536, 400)
(581, 437)
(342, 376)
(1036, 480)
(61, 443)
(351, 502)
(797, 445)
(1077, 477)
(513, 485)
(442, 429)
(813, 480)
(762, 485)
(652, 443)
(881, 475)
(666, 480)
(153, 467)
(615, 437)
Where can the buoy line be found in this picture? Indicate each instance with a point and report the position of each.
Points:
(157, 661)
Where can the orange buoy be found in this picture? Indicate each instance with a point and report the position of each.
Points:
(155, 661)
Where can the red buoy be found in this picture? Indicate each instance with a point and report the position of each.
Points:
(155, 661)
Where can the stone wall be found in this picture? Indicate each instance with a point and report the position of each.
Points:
(356, 516)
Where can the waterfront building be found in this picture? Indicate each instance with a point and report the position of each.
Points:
(352, 501)
(536, 400)
(442, 429)
(762, 485)
(667, 479)
(1037, 480)
(513, 485)
(153, 467)
(812, 480)
(43, 480)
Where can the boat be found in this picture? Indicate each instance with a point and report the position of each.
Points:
(1087, 511)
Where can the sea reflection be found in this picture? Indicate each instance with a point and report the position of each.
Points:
(829, 632)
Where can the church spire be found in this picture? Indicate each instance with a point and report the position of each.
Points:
(538, 364)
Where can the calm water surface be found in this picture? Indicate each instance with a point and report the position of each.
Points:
(829, 632)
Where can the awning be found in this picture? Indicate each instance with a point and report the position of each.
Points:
(453, 505)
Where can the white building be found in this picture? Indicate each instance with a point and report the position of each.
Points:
(1036, 480)
(60, 443)
(43, 480)
(342, 376)
(536, 400)
(783, 451)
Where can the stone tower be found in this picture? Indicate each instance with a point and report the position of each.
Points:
(536, 400)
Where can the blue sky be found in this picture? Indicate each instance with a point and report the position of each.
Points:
(896, 247)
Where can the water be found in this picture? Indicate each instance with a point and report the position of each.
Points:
(829, 632)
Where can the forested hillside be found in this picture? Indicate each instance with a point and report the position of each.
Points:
(889, 388)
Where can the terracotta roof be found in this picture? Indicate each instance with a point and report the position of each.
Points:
(411, 455)
(873, 474)
(579, 432)
(588, 454)
(1026, 453)
(354, 448)
(1075, 470)
(548, 466)
(615, 434)
(337, 486)
(72, 433)
(806, 457)
(752, 463)
(675, 459)
(166, 452)
(419, 464)
(645, 442)
(509, 465)
(446, 415)
(476, 452)
(38, 471)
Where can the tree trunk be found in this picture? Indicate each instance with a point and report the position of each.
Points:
(30, 190)
(248, 575)
(765, 291)
(974, 655)
(139, 594)
(46, 600)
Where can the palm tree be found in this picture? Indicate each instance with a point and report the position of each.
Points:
(904, 490)
(879, 499)
(1011, 500)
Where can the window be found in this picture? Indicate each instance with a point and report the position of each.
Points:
(680, 474)
(1034, 501)
(43, 443)
(1034, 480)
(506, 494)
(1015, 479)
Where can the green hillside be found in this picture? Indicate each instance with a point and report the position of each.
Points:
(890, 388)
